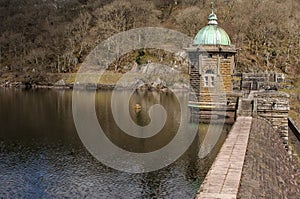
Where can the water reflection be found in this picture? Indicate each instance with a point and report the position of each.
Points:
(140, 117)
(42, 156)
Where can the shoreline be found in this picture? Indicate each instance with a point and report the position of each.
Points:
(87, 87)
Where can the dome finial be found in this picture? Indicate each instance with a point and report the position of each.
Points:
(212, 34)
(212, 7)
(212, 18)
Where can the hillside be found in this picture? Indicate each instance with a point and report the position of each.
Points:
(42, 40)
(55, 36)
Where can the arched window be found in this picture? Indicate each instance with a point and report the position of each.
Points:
(209, 78)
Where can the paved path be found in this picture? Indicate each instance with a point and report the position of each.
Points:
(223, 179)
(268, 170)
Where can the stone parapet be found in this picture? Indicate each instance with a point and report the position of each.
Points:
(274, 107)
(223, 178)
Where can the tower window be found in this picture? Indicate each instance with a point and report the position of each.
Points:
(206, 81)
(209, 78)
(212, 81)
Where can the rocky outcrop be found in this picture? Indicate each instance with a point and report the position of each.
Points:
(153, 76)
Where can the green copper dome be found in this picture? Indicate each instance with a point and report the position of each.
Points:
(212, 34)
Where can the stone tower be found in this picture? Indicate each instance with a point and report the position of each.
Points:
(212, 63)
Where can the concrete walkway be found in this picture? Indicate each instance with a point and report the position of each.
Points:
(223, 178)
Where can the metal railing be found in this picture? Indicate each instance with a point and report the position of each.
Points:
(294, 128)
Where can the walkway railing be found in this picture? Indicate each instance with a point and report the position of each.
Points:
(294, 128)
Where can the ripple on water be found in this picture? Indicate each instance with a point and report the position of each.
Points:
(59, 171)
(53, 163)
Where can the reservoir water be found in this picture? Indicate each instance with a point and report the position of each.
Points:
(41, 155)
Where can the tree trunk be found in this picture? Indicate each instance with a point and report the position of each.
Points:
(58, 64)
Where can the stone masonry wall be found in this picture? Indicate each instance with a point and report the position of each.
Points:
(195, 83)
(268, 171)
(274, 107)
(257, 81)
(223, 75)
(224, 78)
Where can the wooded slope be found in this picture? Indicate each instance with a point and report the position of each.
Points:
(56, 35)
